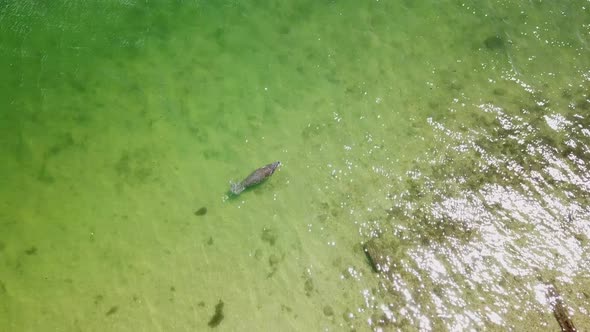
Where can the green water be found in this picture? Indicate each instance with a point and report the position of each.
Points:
(451, 139)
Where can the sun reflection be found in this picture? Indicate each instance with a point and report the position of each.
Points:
(492, 233)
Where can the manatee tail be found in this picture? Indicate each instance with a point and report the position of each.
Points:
(236, 188)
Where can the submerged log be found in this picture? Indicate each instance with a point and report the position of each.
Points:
(369, 253)
(376, 251)
(559, 309)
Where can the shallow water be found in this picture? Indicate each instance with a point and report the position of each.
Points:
(445, 142)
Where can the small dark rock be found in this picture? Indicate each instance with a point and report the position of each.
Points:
(31, 251)
(269, 235)
(218, 316)
(499, 92)
(284, 30)
(201, 212)
(112, 310)
(494, 43)
(308, 286)
(273, 261)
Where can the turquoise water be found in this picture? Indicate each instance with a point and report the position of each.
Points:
(444, 142)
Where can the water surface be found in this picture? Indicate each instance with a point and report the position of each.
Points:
(445, 142)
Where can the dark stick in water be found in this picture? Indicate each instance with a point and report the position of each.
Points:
(559, 309)
(256, 177)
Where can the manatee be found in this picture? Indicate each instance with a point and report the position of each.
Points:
(256, 177)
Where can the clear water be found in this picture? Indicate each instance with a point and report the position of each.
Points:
(449, 139)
